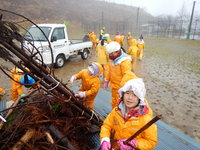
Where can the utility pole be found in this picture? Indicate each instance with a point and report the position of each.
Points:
(189, 28)
(137, 22)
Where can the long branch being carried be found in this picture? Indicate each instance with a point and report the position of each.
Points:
(51, 117)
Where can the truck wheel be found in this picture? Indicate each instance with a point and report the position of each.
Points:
(60, 61)
(84, 54)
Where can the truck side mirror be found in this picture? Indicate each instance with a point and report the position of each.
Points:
(54, 38)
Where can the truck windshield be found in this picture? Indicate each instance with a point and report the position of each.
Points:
(34, 34)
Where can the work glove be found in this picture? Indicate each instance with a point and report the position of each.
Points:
(105, 146)
(2, 118)
(105, 85)
(80, 94)
(72, 79)
(123, 146)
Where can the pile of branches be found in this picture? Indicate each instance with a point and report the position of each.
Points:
(50, 117)
(40, 121)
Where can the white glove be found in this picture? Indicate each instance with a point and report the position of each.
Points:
(72, 79)
(2, 118)
(80, 94)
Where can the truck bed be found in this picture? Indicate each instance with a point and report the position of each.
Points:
(79, 45)
(76, 41)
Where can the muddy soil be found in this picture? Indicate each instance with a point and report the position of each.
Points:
(171, 71)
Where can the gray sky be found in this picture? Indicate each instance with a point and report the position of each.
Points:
(160, 7)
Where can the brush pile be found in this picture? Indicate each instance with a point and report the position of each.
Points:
(50, 116)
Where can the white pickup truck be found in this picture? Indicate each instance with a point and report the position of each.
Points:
(62, 47)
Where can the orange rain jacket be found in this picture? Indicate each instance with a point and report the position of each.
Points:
(140, 51)
(122, 129)
(93, 38)
(119, 39)
(128, 39)
(116, 74)
(90, 34)
(133, 49)
(90, 85)
(140, 45)
(16, 89)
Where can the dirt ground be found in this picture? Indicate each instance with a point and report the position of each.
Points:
(171, 71)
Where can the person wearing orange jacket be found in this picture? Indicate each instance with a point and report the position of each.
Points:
(102, 55)
(128, 38)
(89, 35)
(119, 39)
(140, 45)
(131, 114)
(16, 89)
(116, 69)
(19, 79)
(90, 83)
(93, 39)
(133, 51)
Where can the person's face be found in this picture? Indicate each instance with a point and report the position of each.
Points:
(130, 99)
(90, 70)
(114, 55)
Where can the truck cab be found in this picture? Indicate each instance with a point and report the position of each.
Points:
(62, 47)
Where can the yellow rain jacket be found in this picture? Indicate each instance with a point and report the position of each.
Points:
(90, 85)
(93, 39)
(133, 51)
(89, 35)
(122, 129)
(128, 39)
(116, 75)
(122, 37)
(16, 89)
(118, 39)
(102, 55)
(140, 45)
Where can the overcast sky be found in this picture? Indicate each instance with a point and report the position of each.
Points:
(166, 7)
